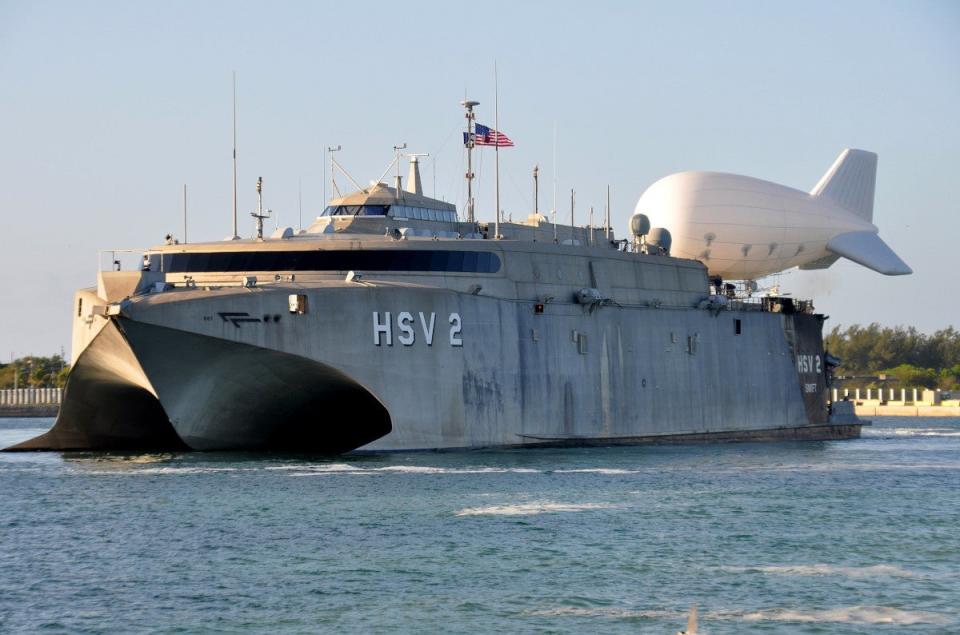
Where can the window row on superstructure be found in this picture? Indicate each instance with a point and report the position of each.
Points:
(334, 260)
(396, 211)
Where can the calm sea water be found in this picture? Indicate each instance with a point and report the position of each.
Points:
(854, 537)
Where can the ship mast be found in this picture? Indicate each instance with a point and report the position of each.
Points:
(469, 143)
(260, 214)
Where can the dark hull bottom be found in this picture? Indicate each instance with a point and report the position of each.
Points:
(827, 432)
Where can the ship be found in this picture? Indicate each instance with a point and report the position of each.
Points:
(390, 323)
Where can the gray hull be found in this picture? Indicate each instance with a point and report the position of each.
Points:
(403, 367)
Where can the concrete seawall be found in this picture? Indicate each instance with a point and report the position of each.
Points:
(869, 410)
(903, 402)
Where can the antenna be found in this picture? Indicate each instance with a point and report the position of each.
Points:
(572, 196)
(554, 210)
(536, 191)
(260, 214)
(333, 173)
(590, 225)
(396, 160)
(335, 163)
(235, 235)
(470, 143)
(606, 222)
(496, 146)
(299, 203)
(184, 213)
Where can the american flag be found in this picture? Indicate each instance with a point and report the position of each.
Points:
(484, 136)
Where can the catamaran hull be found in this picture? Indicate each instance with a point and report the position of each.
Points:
(408, 367)
(145, 387)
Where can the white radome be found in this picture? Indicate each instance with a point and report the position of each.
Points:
(744, 228)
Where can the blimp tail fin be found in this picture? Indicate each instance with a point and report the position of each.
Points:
(869, 250)
(850, 182)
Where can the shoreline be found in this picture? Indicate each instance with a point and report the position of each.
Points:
(23, 412)
(906, 411)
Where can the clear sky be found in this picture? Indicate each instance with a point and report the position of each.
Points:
(108, 108)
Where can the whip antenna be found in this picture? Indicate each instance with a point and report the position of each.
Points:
(235, 236)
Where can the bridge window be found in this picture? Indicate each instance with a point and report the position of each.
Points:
(356, 210)
(423, 213)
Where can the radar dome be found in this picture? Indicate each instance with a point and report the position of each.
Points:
(639, 225)
(659, 240)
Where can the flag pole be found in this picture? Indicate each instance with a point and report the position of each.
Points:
(496, 146)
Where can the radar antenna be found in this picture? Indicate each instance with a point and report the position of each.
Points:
(260, 214)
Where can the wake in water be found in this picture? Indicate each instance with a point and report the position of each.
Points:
(531, 509)
(859, 615)
(826, 569)
(886, 433)
(607, 611)
(874, 615)
(319, 470)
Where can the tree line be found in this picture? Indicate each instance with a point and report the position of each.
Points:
(34, 372)
(899, 356)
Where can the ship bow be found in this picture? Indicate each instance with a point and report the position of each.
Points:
(140, 386)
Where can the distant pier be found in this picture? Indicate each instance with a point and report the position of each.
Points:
(30, 402)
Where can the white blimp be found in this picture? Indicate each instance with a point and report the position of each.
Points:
(744, 228)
